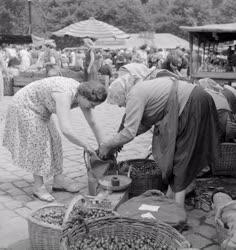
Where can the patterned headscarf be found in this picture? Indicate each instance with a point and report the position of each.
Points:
(119, 89)
(208, 83)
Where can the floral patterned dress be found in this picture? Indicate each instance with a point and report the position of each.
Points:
(30, 135)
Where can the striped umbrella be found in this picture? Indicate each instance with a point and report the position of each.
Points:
(91, 28)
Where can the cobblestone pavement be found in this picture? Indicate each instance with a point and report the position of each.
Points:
(16, 201)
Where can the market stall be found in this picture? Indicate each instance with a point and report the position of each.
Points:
(215, 56)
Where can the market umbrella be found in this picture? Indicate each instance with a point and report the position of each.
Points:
(91, 28)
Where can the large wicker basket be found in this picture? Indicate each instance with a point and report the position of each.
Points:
(42, 235)
(121, 229)
(226, 161)
(149, 177)
(45, 236)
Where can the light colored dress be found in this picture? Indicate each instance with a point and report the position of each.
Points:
(30, 135)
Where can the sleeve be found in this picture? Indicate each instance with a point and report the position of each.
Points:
(134, 112)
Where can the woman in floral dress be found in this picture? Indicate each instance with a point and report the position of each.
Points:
(31, 136)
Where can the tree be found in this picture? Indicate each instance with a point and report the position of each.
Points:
(6, 24)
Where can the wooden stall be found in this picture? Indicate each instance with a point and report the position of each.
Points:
(215, 56)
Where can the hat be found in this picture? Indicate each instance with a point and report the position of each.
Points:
(50, 43)
(88, 42)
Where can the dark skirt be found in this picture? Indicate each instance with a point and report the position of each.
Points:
(197, 142)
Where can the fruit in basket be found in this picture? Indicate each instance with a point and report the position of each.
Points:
(137, 242)
(137, 168)
(52, 215)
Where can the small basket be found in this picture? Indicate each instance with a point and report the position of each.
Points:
(121, 229)
(149, 177)
(42, 235)
(226, 161)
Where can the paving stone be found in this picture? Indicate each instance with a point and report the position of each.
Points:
(2, 192)
(5, 216)
(2, 207)
(197, 213)
(197, 241)
(23, 198)
(5, 198)
(23, 211)
(212, 247)
(21, 183)
(206, 231)
(15, 230)
(6, 186)
(13, 204)
(193, 222)
(15, 191)
(36, 204)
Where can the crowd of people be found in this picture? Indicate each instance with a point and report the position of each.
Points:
(188, 120)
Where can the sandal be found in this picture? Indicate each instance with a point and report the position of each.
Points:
(66, 187)
(43, 195)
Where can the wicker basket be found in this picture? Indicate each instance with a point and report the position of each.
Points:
(226, 162)
(42, 235)
(45, 236)
(162, 235)
(149, 178)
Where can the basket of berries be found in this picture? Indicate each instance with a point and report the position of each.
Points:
(145, 175)
(122, 233)
(45, 224)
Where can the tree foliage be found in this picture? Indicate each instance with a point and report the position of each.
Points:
(129, 15)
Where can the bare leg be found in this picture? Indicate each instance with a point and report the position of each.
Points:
(38, 181)
(40, 191)
(180, 197)
(170, 194)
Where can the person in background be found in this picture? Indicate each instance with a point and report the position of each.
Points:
(3, 72)
(106, 71)
(32, 137)
(186, 127)
(90, 67)
(52, 61)
(227, 121)
(25, 59)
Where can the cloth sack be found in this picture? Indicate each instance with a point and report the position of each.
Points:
(169, 211)
(225, 217)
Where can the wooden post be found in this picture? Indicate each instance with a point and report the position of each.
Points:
(191, 54)
(30, 17)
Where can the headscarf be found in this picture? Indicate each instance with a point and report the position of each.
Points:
(137, 69)
(214, 89)
(129, 75)
(208, 83)
(88, 42)
(119, 89)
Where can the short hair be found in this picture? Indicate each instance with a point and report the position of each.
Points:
(93, 91)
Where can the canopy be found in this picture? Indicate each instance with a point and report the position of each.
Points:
(37, 41)
(227, 27)
(15, 39)
(213, 32)
(91, 28)
(159, 40)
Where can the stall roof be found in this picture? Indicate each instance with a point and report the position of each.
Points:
(213, 32)
(227, 27)
(15, 39)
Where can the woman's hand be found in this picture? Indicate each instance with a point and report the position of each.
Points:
(103, 150)
(89, 150)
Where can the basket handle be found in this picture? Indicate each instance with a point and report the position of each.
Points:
(65, 235)
(87, 160)
(70, 208)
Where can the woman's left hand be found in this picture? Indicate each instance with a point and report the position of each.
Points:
(103, 151)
